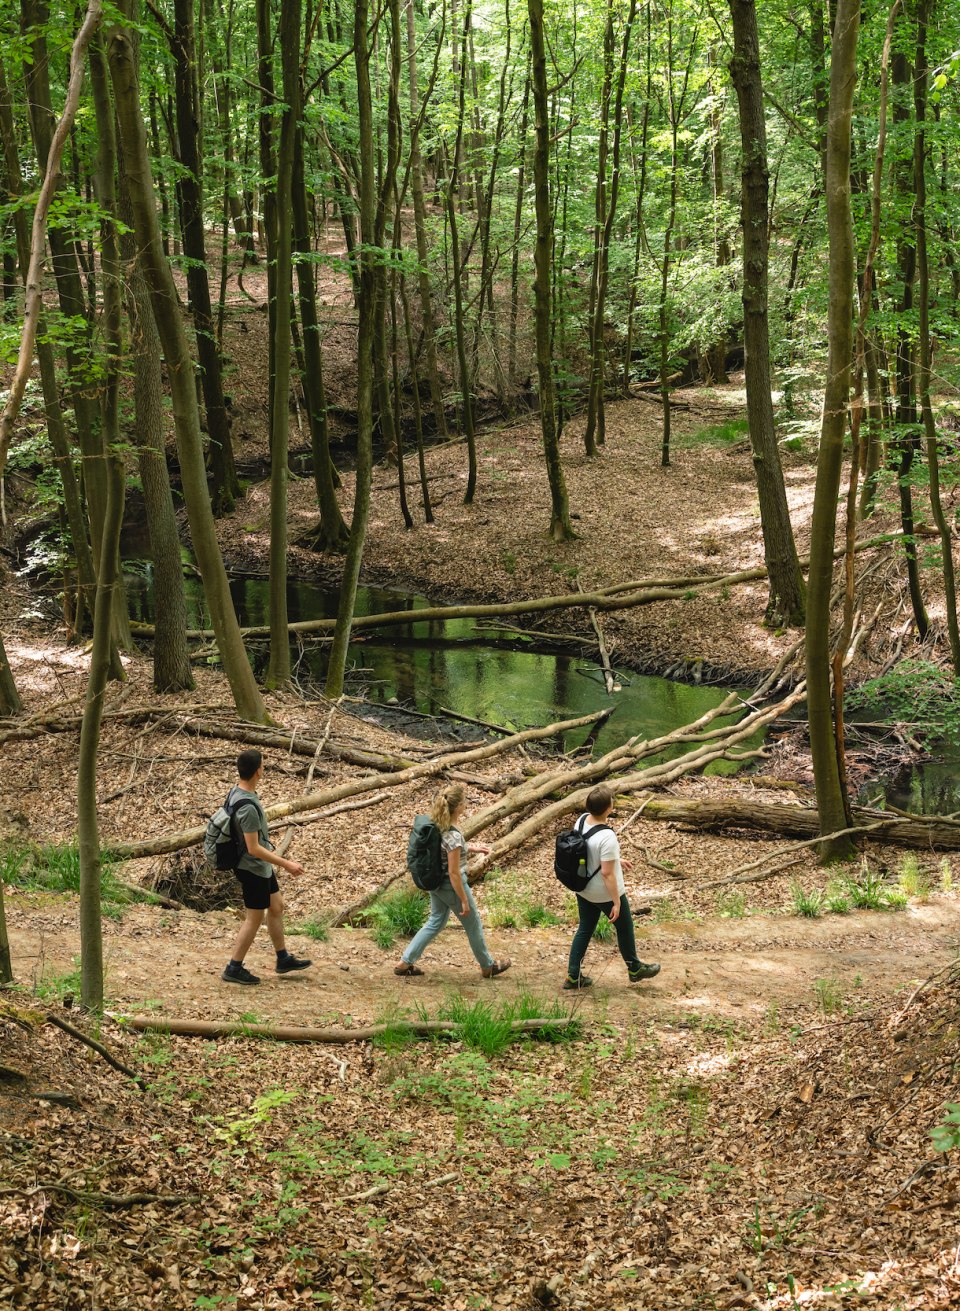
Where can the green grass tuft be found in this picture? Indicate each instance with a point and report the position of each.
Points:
(46, 867)
(400, 915)
(312, 928)
(807, 904)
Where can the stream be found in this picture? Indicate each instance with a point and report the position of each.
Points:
(481, 671)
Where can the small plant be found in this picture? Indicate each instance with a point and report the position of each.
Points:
(605, 929)
(732, 905)
(913, 881)
(509, 562)
(60, 985)
(827, 993)
(400, 915)
(946, 876)
(835, 900)
(721, 434)
(946, 1136)
(312, 928)
(807, 904)
(534, 917)
(50, 868)
(870, 892)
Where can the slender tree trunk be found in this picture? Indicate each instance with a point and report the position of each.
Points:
(156, 269)
(420, 225)
(831, 801)
(517, 228)
(332, 533)
(226, 486)
(921, 75)
(786, 600)
(560, 526)
(366, 279)
(10, 703)
(907, 440)
(289, 41)
(6, 964)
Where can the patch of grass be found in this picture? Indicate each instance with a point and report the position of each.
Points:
(946, 876)
(913, 881)
(535, 916)
(60, 985)
(666, 911)
(835, 900)
(721, 434)
(807, 904)
(46, 867)
(732, 905)
(400, 915)
(870, 892)
(312, 928)
(827, 994)
(488, 1026)
(605, 930)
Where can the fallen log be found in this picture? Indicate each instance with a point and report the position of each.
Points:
(368, 783)
(295, 1033)
(295, 744)
(902, 829)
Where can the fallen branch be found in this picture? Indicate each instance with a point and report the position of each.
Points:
(98, 1047)
(425, 769)
(113, 1201)
(294, 1033)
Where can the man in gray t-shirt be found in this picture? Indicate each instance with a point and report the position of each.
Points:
(255, 870)
(604, 894)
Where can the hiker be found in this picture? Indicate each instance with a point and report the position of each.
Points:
(454, 893)
(261, 892)
(605, 893)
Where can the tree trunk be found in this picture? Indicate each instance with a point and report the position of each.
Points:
(366, 279)
(921, 75)
(10, 703)
(226, 486)
(278, 674)
(420, 225)
(831, 801)
(560, 526)
(786, 600)
(159, 279)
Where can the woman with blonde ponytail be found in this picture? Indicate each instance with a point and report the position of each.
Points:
(454, 893)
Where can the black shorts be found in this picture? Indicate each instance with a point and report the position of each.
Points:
(256, 889)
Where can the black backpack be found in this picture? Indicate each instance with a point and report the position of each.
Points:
(425, 854)
(570, 855)
(223, 843)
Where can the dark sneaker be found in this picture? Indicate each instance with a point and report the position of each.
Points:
(287, 964)
(575, 985)
(641, 970)
(238, 974)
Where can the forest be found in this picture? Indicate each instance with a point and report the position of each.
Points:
(427, 428)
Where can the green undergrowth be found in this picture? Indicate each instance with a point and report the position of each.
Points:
(720, 434)
(47, 868)
(486, 1027)
(914, 692)
(865, 890)
(399, 915)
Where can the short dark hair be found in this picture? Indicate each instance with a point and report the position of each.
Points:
(248, 762)
(599, 800)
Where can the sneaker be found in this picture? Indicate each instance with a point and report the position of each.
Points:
(575, 985)
(287, 964)
(238, 974)
(641, 970)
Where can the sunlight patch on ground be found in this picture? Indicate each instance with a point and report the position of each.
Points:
(706, 1066)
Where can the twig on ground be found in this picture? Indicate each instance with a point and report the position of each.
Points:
(98, 1047)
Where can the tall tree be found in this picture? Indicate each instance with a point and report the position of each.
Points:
(832, 802)
(561, 529)
(786, 597)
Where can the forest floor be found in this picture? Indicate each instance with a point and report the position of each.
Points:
(749, 1129)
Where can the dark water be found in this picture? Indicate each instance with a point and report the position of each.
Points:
(430, 666)
(513, 681)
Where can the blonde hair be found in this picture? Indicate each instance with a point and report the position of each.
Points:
(447, 803)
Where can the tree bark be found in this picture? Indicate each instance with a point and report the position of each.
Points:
(787, 600)
(366, 278)
(176, 349)
(831, 799)
(561, 529)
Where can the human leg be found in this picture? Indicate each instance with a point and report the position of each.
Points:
(589, 912)
(275, 923)
(441, 900)
(626, 941)
(474, 931)
(248, 931)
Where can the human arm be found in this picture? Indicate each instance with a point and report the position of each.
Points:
(479, 848)
(456, 878)
(608, 872)
(256, 849)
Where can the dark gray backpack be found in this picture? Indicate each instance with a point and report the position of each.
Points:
(425, 854)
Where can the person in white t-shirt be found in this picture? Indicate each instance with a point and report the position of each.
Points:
(604, 894)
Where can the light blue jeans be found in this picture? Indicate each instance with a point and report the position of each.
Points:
(443, 900)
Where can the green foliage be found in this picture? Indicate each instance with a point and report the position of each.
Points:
(913, 881)
(316, 929)
(721, 434)
(732, 905)
(828, 996)
(946, 875)
(488, 1026)
(868, 891)
(399, 915)
(914, 692)
(50, 868)
(807, 904)
(946, 1135)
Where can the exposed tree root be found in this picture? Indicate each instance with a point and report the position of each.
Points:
(296, 1033)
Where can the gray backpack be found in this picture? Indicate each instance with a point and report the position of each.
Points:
(223, 842)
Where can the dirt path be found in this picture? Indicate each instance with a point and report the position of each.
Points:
(716, 967)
